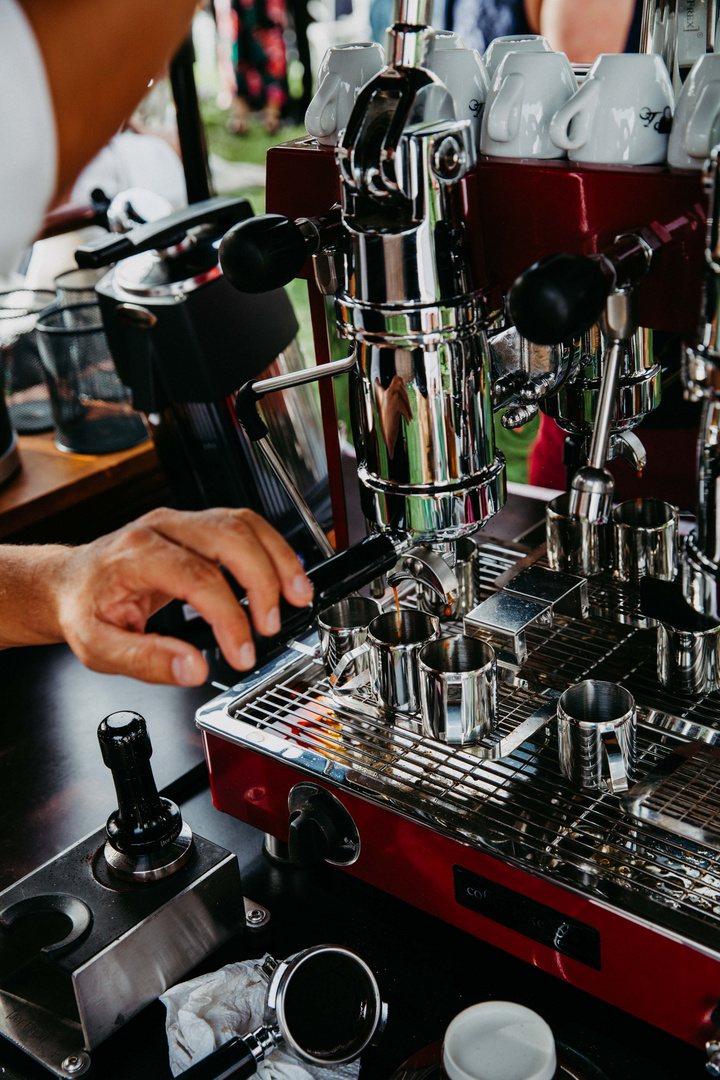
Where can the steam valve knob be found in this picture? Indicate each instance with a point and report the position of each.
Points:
(146, 836)
(559, 298)
(263, 253)
(320, 828)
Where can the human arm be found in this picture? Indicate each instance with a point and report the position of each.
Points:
(99, 596)
(582, 30)
(99, 57)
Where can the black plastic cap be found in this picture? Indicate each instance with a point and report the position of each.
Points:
(558, 298)
(124, 741)
(263, 253)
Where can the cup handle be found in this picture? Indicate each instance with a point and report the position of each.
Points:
(321, 115)
(503, 116)
(343, 683)
(616, 762)
(704, 117)
(581, 105)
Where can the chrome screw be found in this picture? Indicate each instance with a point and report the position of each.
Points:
(75, 1063)
(255, 917)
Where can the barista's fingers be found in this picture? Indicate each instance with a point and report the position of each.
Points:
(255, 554)
(149, 657)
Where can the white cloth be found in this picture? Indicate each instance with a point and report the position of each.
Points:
(134, 161)
(206, 1012)
(28, 139)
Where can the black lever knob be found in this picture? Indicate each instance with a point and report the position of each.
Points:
(146, 836)
(263, 253)
(559, 298)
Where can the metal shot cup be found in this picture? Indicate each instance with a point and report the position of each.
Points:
(343, 627)
(458, 689)
(393, 643)
(468, 595)
(596, 735)
(573, 545)
(645, 535)
(688, 661)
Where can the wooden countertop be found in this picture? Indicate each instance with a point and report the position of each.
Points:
(51, 485)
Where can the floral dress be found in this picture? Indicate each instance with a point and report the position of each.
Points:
(259, 54)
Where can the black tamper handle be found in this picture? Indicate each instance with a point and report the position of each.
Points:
(560, 297)
(234, 1058)
(263, 253)
(144, 822)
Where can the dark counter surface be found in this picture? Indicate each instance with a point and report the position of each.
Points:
(54, 789)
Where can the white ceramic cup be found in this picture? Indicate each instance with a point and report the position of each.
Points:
(499, 47)
(343, 72)
(621, 114)
(527, 91)
(499, 1040)
(696, 124)
(463, 73)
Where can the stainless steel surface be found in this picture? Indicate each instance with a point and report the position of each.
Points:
(458, 689)
(682, 795)
(680, 31)
(430, 570)
(645, 539)
(708, 506)
(574, 545)
(689, 660)
(566, 593)
(519, 807)
(575, 403)
(255, 914)
(700, 578)
(395, 642)
(305, 375)
(507, 618)
(286, 479)
(596, 735)
(342, 627)
(465, 569)
(155, 865)
(50, 1040)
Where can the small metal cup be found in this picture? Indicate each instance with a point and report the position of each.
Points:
(468, 595)
(573, 545)
(645, 539)
(458, 689)
(342, 627)
(394, 646)
(688, 661)
(596, 735)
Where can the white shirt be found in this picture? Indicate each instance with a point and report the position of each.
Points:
(28, 140)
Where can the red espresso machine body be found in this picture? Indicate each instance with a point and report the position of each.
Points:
(506, 852)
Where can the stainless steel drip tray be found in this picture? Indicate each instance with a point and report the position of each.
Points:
(518, 808)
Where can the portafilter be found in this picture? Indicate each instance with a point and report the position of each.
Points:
(323, 1003)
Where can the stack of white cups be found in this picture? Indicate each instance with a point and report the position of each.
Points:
(523, 101)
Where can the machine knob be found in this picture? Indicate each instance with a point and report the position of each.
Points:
(559, 298)
(320, 828)
(146, 835)
(263, 253)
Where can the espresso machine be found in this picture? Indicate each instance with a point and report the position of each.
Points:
(464, 284)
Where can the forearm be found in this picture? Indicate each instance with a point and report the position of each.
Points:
(99, 59)
(582, 30)
(29, 577)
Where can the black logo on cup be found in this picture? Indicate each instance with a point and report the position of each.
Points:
(662, 124)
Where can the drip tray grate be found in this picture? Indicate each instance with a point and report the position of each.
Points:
(518, 807)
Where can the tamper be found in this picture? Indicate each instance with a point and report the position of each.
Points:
(146, 836)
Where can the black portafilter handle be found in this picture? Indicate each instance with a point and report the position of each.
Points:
(263, 253)
(234, 1058)
(144, 821)
(333, 579)
(560, 297)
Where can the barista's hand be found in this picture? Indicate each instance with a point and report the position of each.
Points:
(106, 591)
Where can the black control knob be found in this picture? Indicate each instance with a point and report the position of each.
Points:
(263, 253)
(320, 828)
(559, 298)
(146, 835)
